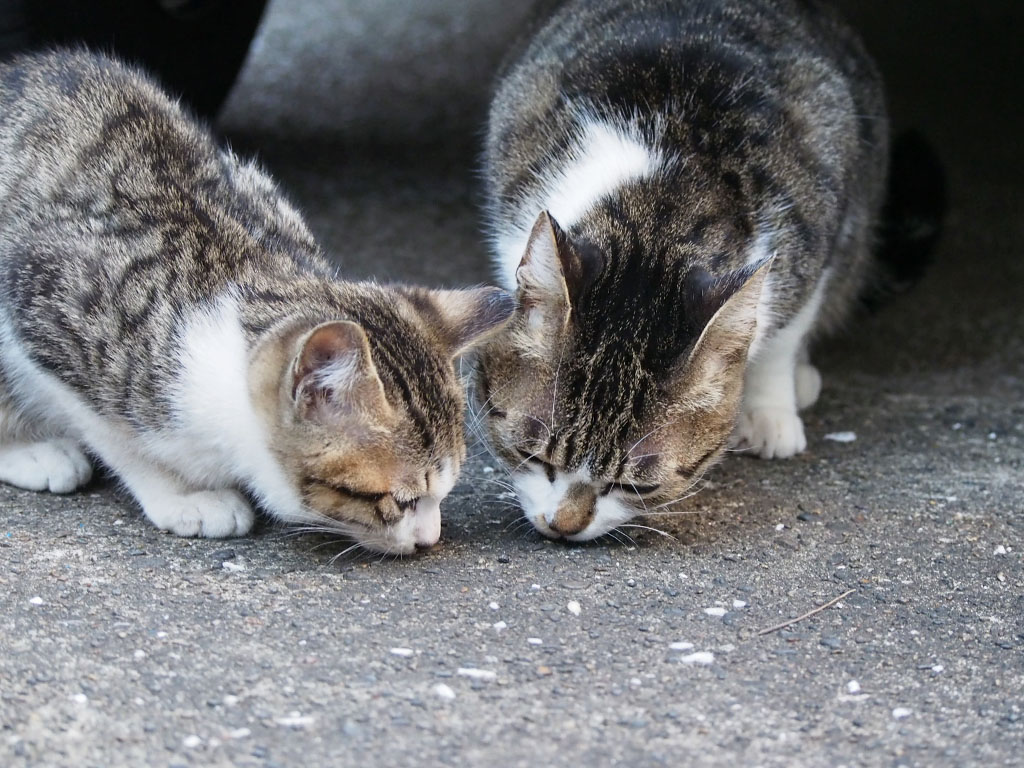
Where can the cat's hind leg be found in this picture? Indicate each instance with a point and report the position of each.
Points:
(31, 460)
(807, 381)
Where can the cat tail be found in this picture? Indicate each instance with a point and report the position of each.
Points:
(912, 217)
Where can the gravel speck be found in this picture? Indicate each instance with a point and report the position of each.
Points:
(402, 651)
(499, 625)
(841, 437)
(36, 600)
(853, 686)
(476, 674)
(681, 646)
(443, 691)
(294, 720)
(191, 742)
(574, 607)
(534, 641)
(699, 657)
(901, 713)
(716, 610)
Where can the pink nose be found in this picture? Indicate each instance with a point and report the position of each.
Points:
(426, 527)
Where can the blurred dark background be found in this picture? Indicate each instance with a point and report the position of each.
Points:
(370, 111)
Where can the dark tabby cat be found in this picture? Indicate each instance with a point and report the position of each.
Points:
(165, 310)
(684, 194)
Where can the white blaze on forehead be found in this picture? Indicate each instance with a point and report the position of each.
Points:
(604, 158)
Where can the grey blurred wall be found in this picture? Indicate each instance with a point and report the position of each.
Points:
(385, 69)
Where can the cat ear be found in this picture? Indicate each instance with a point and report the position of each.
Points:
(540, 276)
(462, 318)
(717, 362)
(333, 373)
(551, 273)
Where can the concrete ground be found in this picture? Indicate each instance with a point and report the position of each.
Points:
(123, 646)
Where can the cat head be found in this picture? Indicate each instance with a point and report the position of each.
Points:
(616, 383)
(370, 411)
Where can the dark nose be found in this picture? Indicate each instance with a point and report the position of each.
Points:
(576, 510)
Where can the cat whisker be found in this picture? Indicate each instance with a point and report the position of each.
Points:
(649, 528)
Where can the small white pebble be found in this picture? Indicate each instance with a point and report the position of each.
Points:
(191, 742)
(715, 611)
(499, 625)
(230, 700)
(681, 646)
(232, 567)
(957, 426)
(493, 606)
(488, 470)
(36, 601)
(727, 648)
(737, 604)
(992, 435)
(443, 691)
(1000, 550)
(239, 733)
(574, 607)
(853, 686)
(900, 713)
(841, 437)
(700, 657)
(402, 651)
(534, 641)
(80, 698)
(140, 654)
(294, 720)
(535, 586)
(476, 674)
(937, 668)
(780, 526)
(161, 635)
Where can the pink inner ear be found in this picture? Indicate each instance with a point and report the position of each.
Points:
(331, 351)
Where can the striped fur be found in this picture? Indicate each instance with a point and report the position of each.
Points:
(707, 177)
(165, 310)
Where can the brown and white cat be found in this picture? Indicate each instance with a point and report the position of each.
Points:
(683, 194)
(164, 310)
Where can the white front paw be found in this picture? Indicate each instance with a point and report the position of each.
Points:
(58, 466)
(771, 433)
(209, 514)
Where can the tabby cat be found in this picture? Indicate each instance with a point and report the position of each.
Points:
(164, 310)
(684, 195)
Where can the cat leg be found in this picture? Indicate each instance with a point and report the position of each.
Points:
(778, 381)
(36, 463)
(167, 500)
(807, 380)
(768, 424)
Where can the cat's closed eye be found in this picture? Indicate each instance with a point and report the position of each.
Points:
(631, 488)
(533, 458)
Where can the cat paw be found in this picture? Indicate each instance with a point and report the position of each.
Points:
(57, 466)
(207, 514)
(808, 385)
(771, 433)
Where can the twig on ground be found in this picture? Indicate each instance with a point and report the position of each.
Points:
(807, 615)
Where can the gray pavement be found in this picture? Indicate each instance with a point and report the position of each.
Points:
(123, 646)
